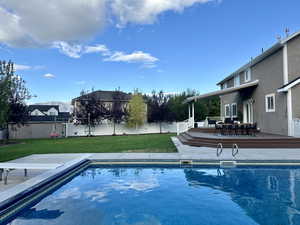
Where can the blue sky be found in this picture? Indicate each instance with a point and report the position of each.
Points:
(63, 47)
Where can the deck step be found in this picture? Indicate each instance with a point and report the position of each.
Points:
(189, 138)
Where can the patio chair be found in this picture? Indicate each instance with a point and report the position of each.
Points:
(219, 128)
(235, 128)
(228, 121)
(253, 129)
(211, 122)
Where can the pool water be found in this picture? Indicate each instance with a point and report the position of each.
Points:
(172, 196)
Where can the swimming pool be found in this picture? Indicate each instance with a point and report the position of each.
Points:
(171, 196)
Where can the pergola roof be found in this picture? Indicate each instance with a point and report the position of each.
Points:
(223, 91)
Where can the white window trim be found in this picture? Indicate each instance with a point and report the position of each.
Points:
(227, 116)
(245, 75)
(234, 116)
(225, 85)
(274, 101)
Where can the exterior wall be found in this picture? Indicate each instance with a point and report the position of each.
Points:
(293, 73)
(229, 99)
(107, 129)
(294, 58)
(269, 72)
(35, 130)
(295, 101)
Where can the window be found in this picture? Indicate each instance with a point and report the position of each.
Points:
(237, 80)
(270, 103)
(248, 75)
(52, 113)
(224, 85)
(227, 110)
(233, 110)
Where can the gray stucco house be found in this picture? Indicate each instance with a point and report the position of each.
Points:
(265, 91)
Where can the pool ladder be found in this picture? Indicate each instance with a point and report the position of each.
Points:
(234, 152)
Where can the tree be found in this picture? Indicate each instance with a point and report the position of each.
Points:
(203, 107)
(13, 94)
(118, 112)
(159, 110)
(137, 110)
(90, 111)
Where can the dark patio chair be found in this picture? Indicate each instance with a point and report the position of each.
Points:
(253, 129)
(228, 121)
(242, 129)
(211, 122)
(248, 129)
(235, 128)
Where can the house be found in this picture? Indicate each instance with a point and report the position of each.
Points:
(44, 121)
(47, 113)
(265, 90)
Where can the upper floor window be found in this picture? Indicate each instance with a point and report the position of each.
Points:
(270, 103)
(224, 85)
(247, 75)
(227, 110)
(237, 80)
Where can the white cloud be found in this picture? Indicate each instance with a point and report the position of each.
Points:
(19, 67)
(76, 51)
(43, 22)
(135, 57)
(49, 75)
(97, 48)
(73, 51)
(146, 11)
(40, 23)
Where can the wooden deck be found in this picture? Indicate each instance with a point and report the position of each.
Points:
(207, 137)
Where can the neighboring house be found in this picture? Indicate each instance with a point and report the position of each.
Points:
(47, 113)
(44, 121)
(266, 90)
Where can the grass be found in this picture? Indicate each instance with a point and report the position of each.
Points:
(108, 144)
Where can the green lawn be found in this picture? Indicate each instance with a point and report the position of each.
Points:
(131, 143)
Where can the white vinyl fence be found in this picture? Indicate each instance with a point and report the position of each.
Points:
(107, 129)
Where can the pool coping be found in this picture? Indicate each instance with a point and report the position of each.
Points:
(13, 194)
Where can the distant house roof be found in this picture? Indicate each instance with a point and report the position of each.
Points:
(42, 108)
(262, 56)
(105, 96)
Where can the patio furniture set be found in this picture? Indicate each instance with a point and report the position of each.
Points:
(233, 127)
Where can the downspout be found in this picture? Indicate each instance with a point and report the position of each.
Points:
(289, 93)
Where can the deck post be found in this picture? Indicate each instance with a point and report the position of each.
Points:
(193, 115)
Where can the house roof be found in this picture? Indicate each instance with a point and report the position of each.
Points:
(62, 117)
(289, 85)
(105, 96)
(223, 91)
(42, 108)
(262, 56)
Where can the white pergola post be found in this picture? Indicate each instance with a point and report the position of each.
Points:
(193, 115)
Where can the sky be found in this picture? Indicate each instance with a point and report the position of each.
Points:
(61, 47)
